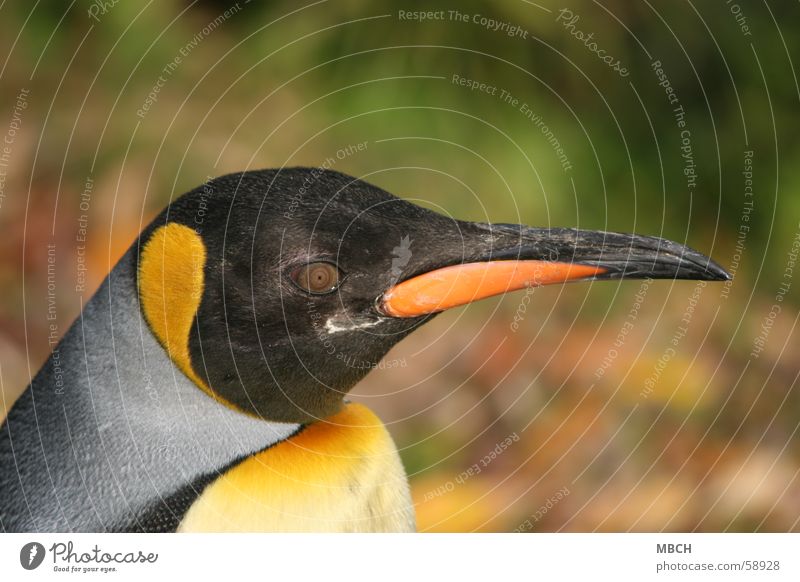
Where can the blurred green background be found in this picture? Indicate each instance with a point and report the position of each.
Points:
(686, 419)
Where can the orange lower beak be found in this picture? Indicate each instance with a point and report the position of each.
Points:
(461, 284)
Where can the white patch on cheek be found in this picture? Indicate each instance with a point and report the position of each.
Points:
(336, 325)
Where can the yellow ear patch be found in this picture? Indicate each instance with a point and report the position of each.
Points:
(171, 280)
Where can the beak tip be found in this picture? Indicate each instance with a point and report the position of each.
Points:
(715, 272)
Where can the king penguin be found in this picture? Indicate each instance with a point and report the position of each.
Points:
(204, 386)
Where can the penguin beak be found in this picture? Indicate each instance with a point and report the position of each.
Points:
(516, 257)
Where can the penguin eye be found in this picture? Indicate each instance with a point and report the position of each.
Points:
(316, 278)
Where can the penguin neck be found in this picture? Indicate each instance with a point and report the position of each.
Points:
(171, 281)
(158, 384)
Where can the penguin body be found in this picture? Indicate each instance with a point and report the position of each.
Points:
(203, 386)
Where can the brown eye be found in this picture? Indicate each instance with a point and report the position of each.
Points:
(317, 278)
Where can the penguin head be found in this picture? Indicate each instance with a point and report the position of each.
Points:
(276, 291)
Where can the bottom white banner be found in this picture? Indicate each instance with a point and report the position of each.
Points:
(401, 556)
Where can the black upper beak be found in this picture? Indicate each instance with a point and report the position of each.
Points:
(623, 256)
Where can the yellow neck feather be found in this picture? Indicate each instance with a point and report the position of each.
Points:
(339, 474)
